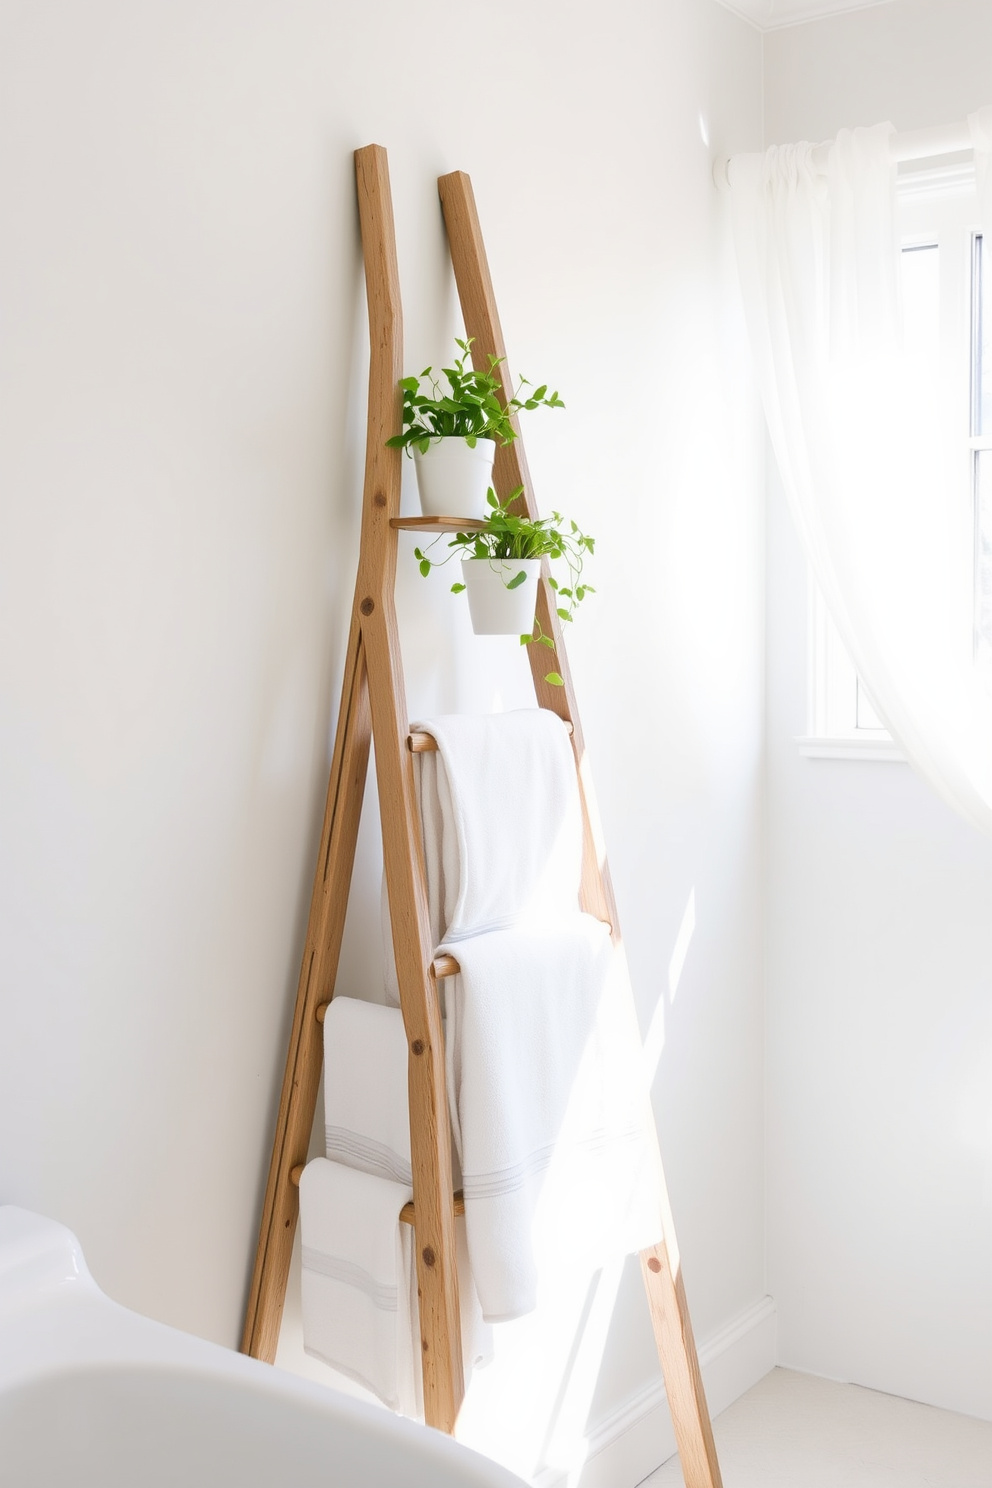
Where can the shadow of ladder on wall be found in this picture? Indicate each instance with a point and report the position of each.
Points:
(373, 704)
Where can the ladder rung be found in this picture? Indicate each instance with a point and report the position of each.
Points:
(421, 743)
(437, 524)
(408, 1214)
(442, 966)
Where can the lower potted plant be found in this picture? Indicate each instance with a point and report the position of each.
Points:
(452, 436)
(501, 565)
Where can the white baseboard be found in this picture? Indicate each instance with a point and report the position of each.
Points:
(625, 1447)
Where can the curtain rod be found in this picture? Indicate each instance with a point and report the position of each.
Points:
(911, 144)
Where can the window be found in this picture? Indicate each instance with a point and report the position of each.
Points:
(981, 445)
(947, 318)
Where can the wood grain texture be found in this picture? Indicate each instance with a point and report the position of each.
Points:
(408, 1214)
(420, 742)
(661, 1269)
(680, 1367)
(478, 302)
(372, 699)
(321, 951)
(430, 1137)
(437, 524)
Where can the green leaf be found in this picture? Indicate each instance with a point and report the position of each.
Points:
(425, 566)
(457, 588)
(554, 679)
(517, 580)
(562, 614)
(526, 640)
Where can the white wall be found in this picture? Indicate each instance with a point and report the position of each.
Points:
(181, 459)
(880, 903)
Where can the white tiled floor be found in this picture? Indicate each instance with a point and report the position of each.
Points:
(797, 1431)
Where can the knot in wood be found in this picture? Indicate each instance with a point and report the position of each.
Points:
(429, 1256)
(367, 606)
(378, 499)
(417, 1046)
(654, 1264)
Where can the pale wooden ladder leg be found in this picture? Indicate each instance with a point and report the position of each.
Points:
(301, 1080)
(430, 1134)
(680, 1367)
(660, 1265)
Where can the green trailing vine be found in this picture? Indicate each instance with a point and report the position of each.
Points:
(471, 408)
(507, 537)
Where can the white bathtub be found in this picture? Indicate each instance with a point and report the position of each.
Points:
(95, 1396)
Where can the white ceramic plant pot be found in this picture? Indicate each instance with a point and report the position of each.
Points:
(495, 609)
(454, 477)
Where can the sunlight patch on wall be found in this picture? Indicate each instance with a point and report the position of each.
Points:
(654, 1041)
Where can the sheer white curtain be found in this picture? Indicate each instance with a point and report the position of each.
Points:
(870, 457)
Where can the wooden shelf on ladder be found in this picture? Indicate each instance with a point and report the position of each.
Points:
(373, 704)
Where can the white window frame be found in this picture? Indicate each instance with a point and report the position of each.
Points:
(840, 722)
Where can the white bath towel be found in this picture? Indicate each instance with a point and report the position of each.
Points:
(548, 1106)
(359, 1285)
(366, 1100)
(501, 820)
(366, 1109)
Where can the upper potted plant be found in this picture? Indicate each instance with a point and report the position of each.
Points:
(453, 435)
(501, 565)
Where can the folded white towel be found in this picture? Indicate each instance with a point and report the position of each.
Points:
(366, 1109)
(358, 1286)
(366, 1100)
(501, 820)
(548, 1106)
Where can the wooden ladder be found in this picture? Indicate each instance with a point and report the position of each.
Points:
(373, 705)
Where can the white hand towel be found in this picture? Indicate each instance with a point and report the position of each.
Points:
(358, 1287)
(366, 1100)
(366, 1108)
(501, 819)
(548, 1106)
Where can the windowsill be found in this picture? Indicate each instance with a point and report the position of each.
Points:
(851, 746)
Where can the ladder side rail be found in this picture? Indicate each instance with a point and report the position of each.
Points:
(479, 311)
(661, 1264)
(321, 951)
(430, 1133)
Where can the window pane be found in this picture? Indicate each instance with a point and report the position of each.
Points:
(982, 312)
(983, 558)
(921, 304)
(867, 717)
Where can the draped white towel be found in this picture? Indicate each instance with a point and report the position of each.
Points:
(548, 1107)
(366, 1108)
(359, 1285)
(545, 1076)
(501, 818)
(366, 1100)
